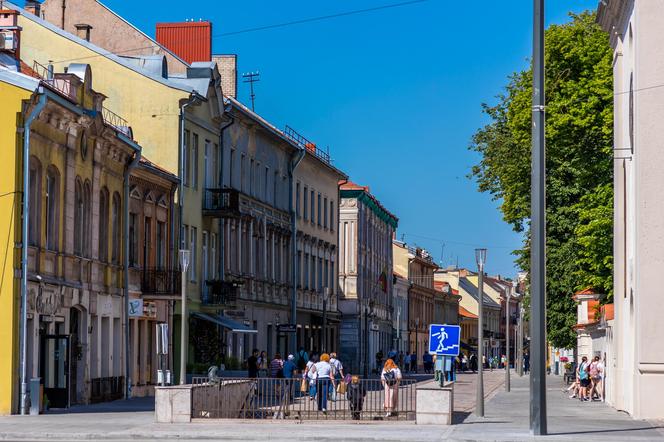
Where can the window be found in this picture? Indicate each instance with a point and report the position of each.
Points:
(213, 256)
(184, 237)
(147, 242)
(87, 219)
(103, 225)
(193, 254)
(251, 177)
(306, 271)
(231, 165)
(133, 241)
(297, 199)
(35, 202)
(78, 217)
(305, 212)
(319, 275)
(266, 184)
(325, 213)
(298, 276)
(275, 189)
(243, 173)
(313, 204)
(319, 210)
(115, 223)
(161, 245)
(185, 159)
(194, 162)
(332, 216)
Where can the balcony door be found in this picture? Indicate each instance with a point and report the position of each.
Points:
(210, 165)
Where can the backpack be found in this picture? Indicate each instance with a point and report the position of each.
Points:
(390, 378)
(594, 372)
(301, 363)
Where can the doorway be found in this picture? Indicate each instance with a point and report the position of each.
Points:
(54, 370)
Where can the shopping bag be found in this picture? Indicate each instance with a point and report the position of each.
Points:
(341, 387)
(304, 386)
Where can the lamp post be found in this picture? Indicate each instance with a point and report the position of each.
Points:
(326, 296)
(184, 256)
(480, 257)
(368, 310)
(520, 338)
(507, 339)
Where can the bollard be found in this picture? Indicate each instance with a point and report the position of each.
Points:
(35, 396)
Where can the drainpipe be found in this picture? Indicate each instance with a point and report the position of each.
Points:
(191, 100)
(222, 233)
(295, 160)
(41, 103)
(125, 229)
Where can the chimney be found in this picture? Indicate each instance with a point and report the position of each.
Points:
(227, 65)
(83, 31)
(191, 41)
(33, 7)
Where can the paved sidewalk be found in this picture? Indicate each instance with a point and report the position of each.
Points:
(507, 419)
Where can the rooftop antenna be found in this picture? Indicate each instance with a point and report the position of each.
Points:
(251, 78)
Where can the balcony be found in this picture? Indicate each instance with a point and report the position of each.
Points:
(221, 203)
(156, 281)
(222, 292)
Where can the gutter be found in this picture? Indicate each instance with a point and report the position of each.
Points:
(222, 233)
(125, 229)
(295, 160)
(24, 247)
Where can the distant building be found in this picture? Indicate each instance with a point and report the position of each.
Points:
(366, 283)
(400, 290)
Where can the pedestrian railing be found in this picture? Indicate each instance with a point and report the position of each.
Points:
(298, 399)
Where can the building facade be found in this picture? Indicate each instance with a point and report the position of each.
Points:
(366, 285)
(634, 28)
(400, 290)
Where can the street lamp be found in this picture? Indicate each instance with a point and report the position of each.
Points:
(507, 338)
(480, 258)
(326, 296)
(184, 256)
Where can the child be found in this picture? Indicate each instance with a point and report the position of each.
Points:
(355, 395)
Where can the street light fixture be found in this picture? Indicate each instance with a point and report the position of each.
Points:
(507, 338)
(480, 257)
(184, 257)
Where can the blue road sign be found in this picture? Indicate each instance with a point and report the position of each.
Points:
(444, 339)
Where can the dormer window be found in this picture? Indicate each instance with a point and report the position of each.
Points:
(83, 31)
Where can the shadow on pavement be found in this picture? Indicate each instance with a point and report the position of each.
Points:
(120, 406)
(649, 428)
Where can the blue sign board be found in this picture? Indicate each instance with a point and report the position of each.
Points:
(444, 340)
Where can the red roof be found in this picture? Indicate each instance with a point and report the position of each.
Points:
(466, 314)
(586, 291)
(349, 185)
(191, 41)
(608, 312)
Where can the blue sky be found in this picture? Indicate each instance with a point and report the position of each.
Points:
(394, 93)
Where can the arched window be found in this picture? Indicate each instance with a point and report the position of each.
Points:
(52, 208)
(78, 217)
(87, 219)
(103, 225)
(115, 224)
(34, 201)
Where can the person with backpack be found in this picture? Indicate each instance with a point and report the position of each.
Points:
(595, 371)
(390, 377)
(583, 375)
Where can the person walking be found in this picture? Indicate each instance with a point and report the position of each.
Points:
(338, 370)
(355, 395)
(252, 364)
(310, 375)
(584, 379)
(406, 362)
(413, 362)
(262, 364)
(390, 377)
(324, 375)
(302, 359)
(288, 371)
(464, 363)
(595, 371)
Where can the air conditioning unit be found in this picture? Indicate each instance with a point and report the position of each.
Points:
(7, 40)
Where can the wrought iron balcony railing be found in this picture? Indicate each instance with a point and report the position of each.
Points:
(221, 202)
(157, 281)
(222, 292)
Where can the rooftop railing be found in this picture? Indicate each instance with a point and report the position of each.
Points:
(309, 146)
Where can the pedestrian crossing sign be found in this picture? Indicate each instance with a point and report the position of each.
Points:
(444, 340)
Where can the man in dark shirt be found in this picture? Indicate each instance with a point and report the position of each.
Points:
(252, 364)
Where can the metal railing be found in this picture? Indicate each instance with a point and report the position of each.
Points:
(301, 399)
(159, 281)
(221, 292)
(309, 146)
(221, 200)
(47, 77)
(106, 389)
(116, 121)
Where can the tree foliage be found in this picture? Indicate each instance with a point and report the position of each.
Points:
(579, 134)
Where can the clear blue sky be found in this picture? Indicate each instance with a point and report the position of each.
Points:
(394, 93)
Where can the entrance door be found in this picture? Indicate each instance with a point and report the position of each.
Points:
(54, 365)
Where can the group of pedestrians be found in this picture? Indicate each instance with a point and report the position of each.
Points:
(588, 385)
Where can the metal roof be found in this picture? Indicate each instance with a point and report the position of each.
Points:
(17, 79)
(473, 291)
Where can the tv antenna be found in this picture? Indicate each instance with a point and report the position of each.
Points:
(251, 78)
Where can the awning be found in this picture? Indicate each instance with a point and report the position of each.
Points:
(226, 322)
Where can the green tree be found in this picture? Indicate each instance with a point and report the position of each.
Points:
(579, 134)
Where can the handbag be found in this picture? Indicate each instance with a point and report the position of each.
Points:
(304, 386)
(341, 387)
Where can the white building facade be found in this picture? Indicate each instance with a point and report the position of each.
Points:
(634, 28)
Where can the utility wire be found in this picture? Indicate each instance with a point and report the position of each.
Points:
(259, 28)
